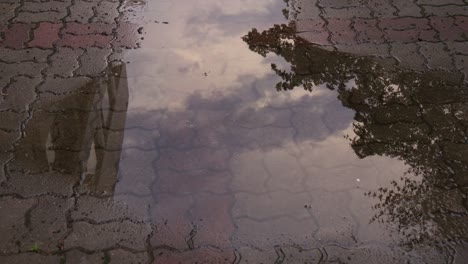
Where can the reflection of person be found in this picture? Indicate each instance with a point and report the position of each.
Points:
(79, 132)
(416, 117)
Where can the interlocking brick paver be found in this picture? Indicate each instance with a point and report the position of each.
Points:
(46, 223)
(408, 56)
(12, 225)
(20, 93)
(97, 237)
(64, 62)
(34, 17)
(108, 209)
(30, 258)
(202, 255)
(120, 256)
(236, 177)
(447, 29)
(271, 205)
(75, 256)
(407, 8)
(341, 31)
(106, 11)
(93, 61)
(7, 11)
(32, 54)
(45, 35)
(437, 56)
(16, 35)
(81, 11)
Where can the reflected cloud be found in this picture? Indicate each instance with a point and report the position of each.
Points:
(419, 118)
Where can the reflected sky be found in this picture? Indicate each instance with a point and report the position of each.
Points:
(219, 154)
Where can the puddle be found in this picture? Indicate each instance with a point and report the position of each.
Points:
(228, 132)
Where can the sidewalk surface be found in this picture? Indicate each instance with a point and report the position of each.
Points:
(179, 131)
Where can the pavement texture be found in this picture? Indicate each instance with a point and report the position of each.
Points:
(111, 154)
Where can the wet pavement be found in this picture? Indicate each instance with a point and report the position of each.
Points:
(212, 131)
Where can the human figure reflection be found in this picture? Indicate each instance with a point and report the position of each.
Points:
(420, 118)
(80, 133)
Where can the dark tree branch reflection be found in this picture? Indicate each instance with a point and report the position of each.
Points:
(420, 118)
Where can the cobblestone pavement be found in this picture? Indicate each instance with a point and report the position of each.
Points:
(153, 132)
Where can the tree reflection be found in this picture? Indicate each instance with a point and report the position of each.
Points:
(420, 118)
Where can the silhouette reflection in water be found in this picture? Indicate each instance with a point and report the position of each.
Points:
(419, 118)
(80, 133)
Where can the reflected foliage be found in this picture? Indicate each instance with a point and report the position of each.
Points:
(420, 118)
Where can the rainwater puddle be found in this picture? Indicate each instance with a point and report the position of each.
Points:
(228, 138)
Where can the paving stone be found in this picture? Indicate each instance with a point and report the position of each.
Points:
(248, 174)
(337, 254)
(33, 17)
(407, 8)
(11, 121)
(341, 31)
(308, 10)
(440, 2)
(46, 223)
(64, 62)
(58, 85)
(137, 172)
(4, 159)
(98, 237)
(319, 38)
(257, 256)
(27, 68)
(381, 8)
(32, 185)
(298, 255)
(20, 94)
(193, 159)
(458, 47)
(7, 140)
(263, 138)
(340, 3)
(127, 36)
(284, 170)
(7, 11)
(45, 35)
(106, 11)
(16, 35)
(56, 6)
(437, 56)
(189, 182)
(89, 28)
(30, 258)
(93, 62)
(214, 224)
(271, 205)
(447, 29)
(78, 257)
(360, 11)
(174, 226)
(120, 256)
(336, 227)
(81, 11)
(368, 31)
(368, 49)
(110, 209)
(32, 54)
(278, 231)
(12, 225)
(202, 255)
(461, 63)
(408, 56)
(446, 10)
